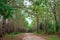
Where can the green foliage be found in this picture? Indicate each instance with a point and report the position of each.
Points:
(53, 37)
(5, 10)
(41, 9)
(13, 33)
(26, 24)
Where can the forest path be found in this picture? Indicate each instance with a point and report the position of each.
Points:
(29, 36)
(25, 36)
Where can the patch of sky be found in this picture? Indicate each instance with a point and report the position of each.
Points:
(27, 3)
(29, 20)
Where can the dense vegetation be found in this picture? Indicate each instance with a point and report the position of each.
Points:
(38, 16)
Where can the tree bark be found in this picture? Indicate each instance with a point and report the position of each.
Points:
(46, 23)
(59, 13)
(55, 18)
(38, 23)
(3, 27)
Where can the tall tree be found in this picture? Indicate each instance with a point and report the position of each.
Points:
(6, 12)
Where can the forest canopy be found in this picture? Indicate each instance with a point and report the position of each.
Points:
(40, 16)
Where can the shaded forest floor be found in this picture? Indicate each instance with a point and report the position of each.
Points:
(30, 36)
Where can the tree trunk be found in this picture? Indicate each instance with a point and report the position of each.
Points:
(54, 12)
(2, 32)
(3, 27)
(46, 23)
(38, 23)
(59, 13)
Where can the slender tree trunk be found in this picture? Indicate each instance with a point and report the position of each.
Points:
(59, 13)
(3, 26)
(46, 23)
(54, 11)
(2, 32)
(38, 23)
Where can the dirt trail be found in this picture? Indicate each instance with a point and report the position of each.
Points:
(27, 36)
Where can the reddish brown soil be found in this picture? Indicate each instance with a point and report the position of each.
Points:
(25, 36)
